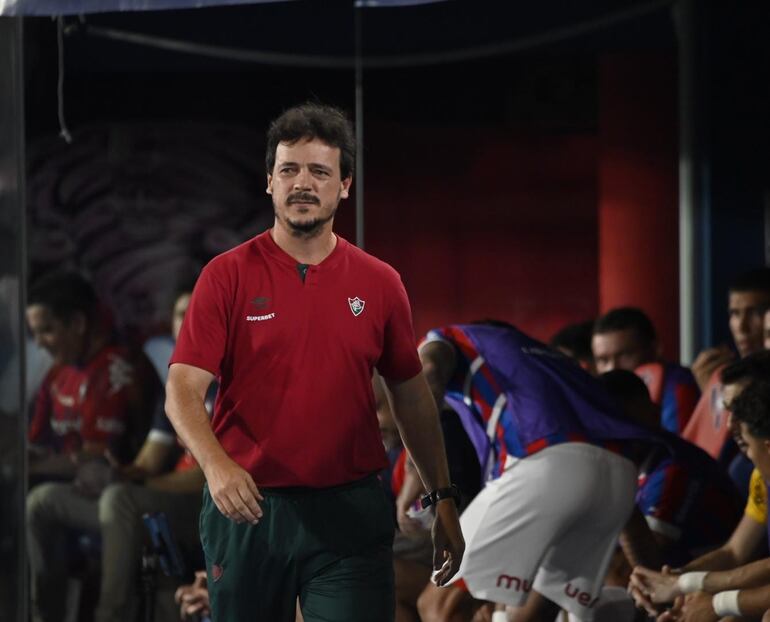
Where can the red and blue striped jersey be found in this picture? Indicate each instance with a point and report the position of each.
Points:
(474, 393)
(688, 497)
(516, 396)
(674, 389)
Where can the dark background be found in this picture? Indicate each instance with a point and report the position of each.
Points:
(487, 180)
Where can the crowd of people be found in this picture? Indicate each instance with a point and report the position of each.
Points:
(591, 477)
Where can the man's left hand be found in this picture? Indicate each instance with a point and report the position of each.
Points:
(448, 542)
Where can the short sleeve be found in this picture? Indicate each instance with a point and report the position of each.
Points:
(399, 360)
(203, 337)
(756, 506)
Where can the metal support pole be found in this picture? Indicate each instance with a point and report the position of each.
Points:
(693, 317)
(13, 448)
(359, 126)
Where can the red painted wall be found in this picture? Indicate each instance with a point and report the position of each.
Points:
(484, 222)
(638, 190)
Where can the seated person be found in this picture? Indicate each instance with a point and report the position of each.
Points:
(540, 536)
(743, 592)
(748, 541)
(686, 497)
(574, 340)
(748, 299)
(97, 396)
(624, 338)
(115, 513)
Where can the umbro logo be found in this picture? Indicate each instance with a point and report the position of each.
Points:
(356, 305)
(260, 302)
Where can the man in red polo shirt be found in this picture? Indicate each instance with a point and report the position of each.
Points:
(293, 323)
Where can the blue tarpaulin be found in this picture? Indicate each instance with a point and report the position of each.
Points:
(79, 7)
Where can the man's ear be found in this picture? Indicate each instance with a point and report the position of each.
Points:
(345, 192)
(269, 188)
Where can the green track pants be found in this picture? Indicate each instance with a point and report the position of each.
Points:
(330, 547)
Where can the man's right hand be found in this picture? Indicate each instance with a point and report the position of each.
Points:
(233, 491)
(708, 361)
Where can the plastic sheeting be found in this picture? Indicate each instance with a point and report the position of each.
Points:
(79, 7)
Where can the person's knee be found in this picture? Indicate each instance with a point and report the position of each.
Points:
(428, 606)
(437, 604)
(116, 501)
(41, 501)
(766, 617)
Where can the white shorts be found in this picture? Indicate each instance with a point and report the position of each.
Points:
(550, 522)
(615, 605)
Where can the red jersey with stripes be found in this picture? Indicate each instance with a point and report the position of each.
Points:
(104, 401)
(295, 358)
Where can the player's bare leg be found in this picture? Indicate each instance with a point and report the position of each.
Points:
(446, 604)
(411, 579)
(537, 608)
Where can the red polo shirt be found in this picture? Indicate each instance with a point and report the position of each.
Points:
(294, 360)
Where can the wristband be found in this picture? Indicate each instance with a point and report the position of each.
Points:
(726, 604)
(499, 616)
(690, 582)
(434, 496)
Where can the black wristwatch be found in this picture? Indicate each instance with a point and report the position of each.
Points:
(451, 492)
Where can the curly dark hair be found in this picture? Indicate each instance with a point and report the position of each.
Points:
(310, 120)
(752, 407)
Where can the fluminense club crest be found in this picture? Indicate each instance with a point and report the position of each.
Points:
(356, 305)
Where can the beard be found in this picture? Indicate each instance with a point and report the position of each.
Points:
(305, 229)
(308, 228)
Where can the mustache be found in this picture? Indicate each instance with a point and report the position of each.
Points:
(302, 197)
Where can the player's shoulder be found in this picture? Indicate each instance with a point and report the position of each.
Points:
(120, 367)
(112, 352)
(369, 263)
(434, 336)
(236, 256)
(757, 482)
